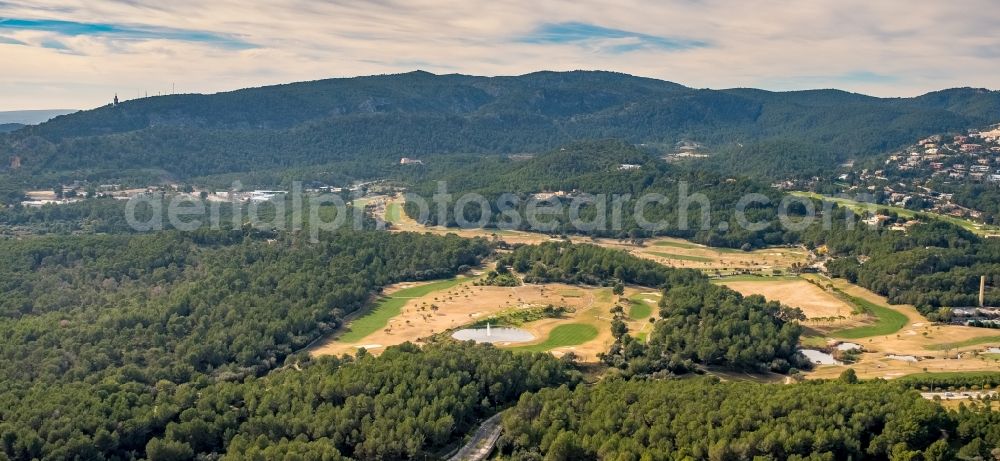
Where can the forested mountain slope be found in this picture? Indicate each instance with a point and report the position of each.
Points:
(389, 116)
(100, 329)
(8, 127)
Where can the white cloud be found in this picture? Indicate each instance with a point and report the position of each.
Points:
(885, 48)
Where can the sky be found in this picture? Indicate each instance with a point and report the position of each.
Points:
(76, 54)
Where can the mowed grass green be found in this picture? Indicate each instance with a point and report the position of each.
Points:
(639, 308)
(692, 246)
(754, 278)
(888, 321)
(393, 212)
(570, 334)
(388, 307)
(678, 257)
(667, 243)
(966, 343)
(986, 376)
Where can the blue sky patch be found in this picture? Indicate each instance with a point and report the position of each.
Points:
(866, 77)
(125, 32)
(582, 33)
(855, 77)
(54, 45)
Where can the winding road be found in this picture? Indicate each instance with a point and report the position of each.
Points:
(482, 442)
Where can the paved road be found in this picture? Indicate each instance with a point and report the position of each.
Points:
(482, 442)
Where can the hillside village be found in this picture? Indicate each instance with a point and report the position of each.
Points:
(972, 157)
(926, 175)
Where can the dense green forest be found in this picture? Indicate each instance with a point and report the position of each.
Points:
(95, 324)
(409, 403)
(593, 168)
(707, 419)
(931, 265)
(223, 303)
(593, 265)
(174, 345)
(104, 215)
(982, 197)
(381, 118)
(710, 325)
(934, 264)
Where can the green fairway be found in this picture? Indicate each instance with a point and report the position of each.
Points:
(388, 307)
(888, 321)
(954, 379)
(966, 343)
(571, 334)
(639, 308)
(754, 278)
(678, 257)
(686, 246)
(981, 229)
(393, 212)
(816, 342)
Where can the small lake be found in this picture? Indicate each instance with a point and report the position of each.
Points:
(819, 357)
(494, 335)
(902, 358)
(848, 347)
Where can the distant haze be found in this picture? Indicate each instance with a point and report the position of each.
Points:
(31, 117)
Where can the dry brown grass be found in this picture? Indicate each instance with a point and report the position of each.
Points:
(41, 195)
(681, 253)
(813, 300)
(464, 304)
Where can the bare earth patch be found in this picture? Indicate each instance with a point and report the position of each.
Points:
(813, 300)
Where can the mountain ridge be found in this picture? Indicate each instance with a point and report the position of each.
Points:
(8, 127)
(417, 113)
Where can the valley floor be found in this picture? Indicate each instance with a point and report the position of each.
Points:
(897, 340)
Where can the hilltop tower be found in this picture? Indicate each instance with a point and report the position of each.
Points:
(116, 100)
